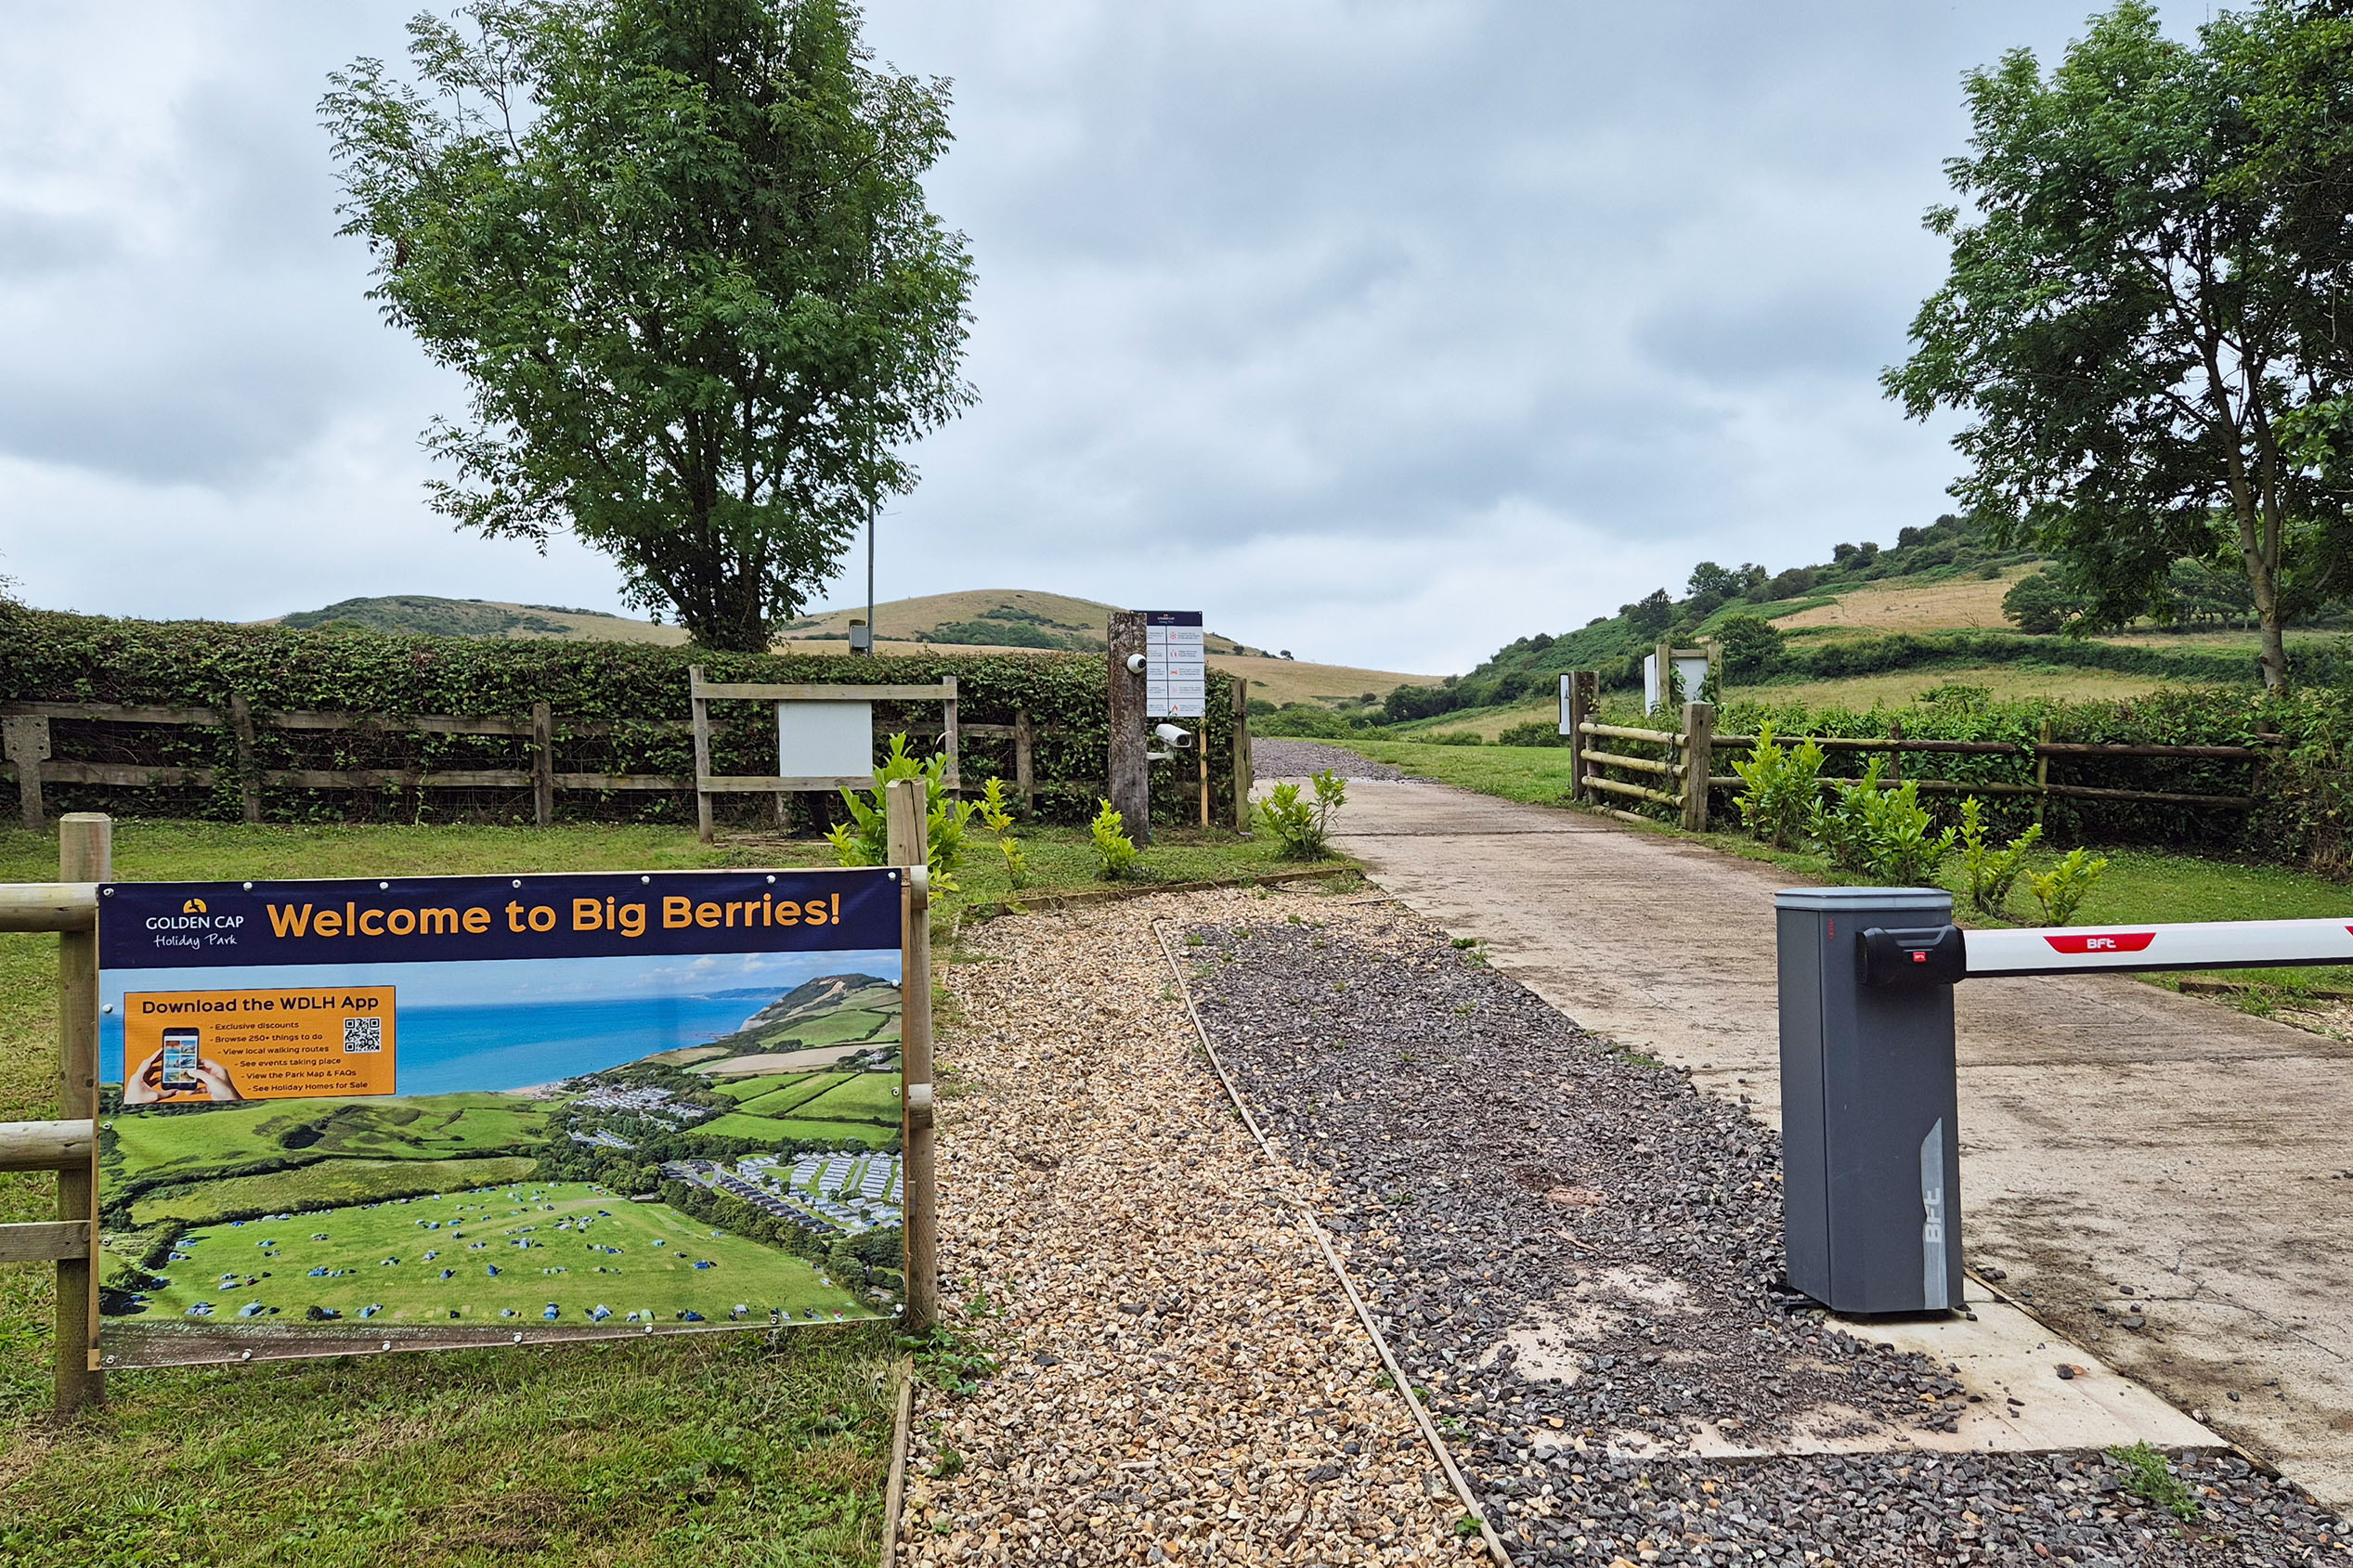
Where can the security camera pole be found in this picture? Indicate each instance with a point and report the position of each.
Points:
(1131, 779)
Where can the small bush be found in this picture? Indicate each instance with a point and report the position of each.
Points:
(1536, 732)
(1115, 854)
(1454, 737)
(1839, 822)
(1302, 827)
(2062, 890)
(1900, 848)
(999, 818)
(1779, 789)
(1991, 871)
(865, 838)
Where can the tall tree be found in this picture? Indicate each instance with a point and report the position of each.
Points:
(2129, 318)
(680, 250)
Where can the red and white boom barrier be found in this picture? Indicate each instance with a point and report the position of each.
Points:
(2205, 944)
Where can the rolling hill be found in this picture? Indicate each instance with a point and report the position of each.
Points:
(983, 620)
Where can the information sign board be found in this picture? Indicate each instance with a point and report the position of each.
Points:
(433, 1112)
(1176, 665)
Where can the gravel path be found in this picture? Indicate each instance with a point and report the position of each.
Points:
(1181, 1380)
(1296, 759)
(1579, 1255)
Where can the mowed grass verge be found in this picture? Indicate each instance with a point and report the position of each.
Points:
(713, 1449)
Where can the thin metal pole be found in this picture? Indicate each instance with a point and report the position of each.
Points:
(870, 633)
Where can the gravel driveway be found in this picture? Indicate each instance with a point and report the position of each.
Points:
(1296, 759)
(1182, 1378)
(1579, 1253)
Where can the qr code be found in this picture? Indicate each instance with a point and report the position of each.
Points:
(362, 1035)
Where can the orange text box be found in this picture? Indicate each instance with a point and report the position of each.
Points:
(289, 1042)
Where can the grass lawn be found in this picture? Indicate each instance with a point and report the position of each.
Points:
(735, 1124)
(711, 1449)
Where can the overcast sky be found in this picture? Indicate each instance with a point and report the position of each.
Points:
(1385, 333)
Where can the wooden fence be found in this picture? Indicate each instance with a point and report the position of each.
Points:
(1683, 769)
(27, 743)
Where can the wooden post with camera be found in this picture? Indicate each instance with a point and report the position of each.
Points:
(1129, 776)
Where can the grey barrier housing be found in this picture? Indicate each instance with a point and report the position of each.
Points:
(1870, 1141)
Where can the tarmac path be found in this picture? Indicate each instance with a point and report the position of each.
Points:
(2128, 1152)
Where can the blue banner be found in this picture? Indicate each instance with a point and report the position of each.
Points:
(443, 919)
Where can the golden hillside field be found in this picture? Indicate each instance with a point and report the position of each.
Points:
(1957, 604)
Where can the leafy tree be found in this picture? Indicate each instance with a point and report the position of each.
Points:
(2038, 604)
(1751, 644)
(1722, 581)
(2129, 319)
(680, 252)
(1652, 615)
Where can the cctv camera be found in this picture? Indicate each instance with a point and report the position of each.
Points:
(1172, 737)
(1135, 664)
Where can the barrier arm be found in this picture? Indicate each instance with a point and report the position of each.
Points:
(2207, 944)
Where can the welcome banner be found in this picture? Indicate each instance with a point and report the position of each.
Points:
(438, 1111)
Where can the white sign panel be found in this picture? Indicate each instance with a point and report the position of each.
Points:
(823, 740)
(1176, 665)
(1563, 704)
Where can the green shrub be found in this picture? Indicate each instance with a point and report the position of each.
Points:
(999, 819)
(1454, 737)
(1780, 788)
(1307, 721)
(1901, 847)
(1839, 823)
(1991, 871)
(1536, 732)
(865, 838)
(2062, 890)
(1115, 854)
(1303, 827)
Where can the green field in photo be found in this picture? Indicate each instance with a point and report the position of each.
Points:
(743, 1089)
(328, 1182)
(778, 1130)
(569, 1243)
(793, 1094)
(416, 1127)
(864, 1096)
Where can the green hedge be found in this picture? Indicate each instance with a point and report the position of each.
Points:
(2301, 785)
(627, 686)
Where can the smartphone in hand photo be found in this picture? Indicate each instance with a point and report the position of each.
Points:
(180, 1059)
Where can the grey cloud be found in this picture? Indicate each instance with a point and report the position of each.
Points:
(35, 244)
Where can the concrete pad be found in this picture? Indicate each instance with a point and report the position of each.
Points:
(2121, 1144)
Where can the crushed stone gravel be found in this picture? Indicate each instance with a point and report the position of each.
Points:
(1579, 1254)
(1180, 1377)
(1273, 758)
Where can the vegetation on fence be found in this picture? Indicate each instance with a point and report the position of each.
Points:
(618, 707)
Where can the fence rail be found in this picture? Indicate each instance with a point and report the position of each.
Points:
(1689, 757)
(27, 741)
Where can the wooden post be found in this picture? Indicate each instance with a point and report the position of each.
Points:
(1201, 754)
(950, 747)
(86, 853)
(543, 765)
(1896, 751)
(26, 742)
(1699, 762)
(1666, 653)
(1584, 685)
(1245, 769)
(1025, 762)
(918, 1181)
(249, 773)
(1130, 779)
(701, 716)
(2042, 771)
